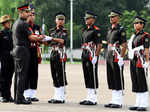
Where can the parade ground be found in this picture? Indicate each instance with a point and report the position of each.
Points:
(75, 92)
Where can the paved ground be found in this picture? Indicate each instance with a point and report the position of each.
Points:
(75, 93)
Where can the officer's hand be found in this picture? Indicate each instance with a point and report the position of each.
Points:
(42, 37)
(39, 37)
(120, 62)
(146, 64)
(94, 60)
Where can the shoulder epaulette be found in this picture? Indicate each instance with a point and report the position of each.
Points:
(146, 34)
(52, 29)
(64, 30)
(122, 28)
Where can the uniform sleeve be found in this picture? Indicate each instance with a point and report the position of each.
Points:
(98, 37)
(50, 34)
(122, 36)
(146, 41)
(27, 29)
(0, 43)
(65, 37)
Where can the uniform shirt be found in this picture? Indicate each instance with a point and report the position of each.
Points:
(140, 40)
(36, 30)
(58, 33)
(116, 34)
(6, 42)
(21, 32)
(93, 34)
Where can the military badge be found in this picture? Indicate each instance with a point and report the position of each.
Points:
(146, 40)
(123, 34)
(99, 35)
(64, 34)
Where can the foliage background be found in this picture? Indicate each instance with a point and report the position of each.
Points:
(47, 8)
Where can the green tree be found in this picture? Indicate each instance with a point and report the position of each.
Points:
(128, 18)
(127, 21)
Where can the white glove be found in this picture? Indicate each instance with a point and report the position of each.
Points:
(120, 62)
(146, 64)
(47, 38)
(94, 60)
(138, 48)
(131, 54)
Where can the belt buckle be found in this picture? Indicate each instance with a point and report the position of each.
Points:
(111, 48)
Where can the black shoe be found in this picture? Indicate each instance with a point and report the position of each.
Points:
(11, 99)
(86, 102)
(108, 105)
(133, 108)
(82, 102)
(56, 101)
(23, 101)
(115, 106)
(141, 109)
(28, 99)
(34, 99)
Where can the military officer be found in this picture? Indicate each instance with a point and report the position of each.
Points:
(22, 35)
(91, 45)
(58, 58)
(139, 55)
(6, 59)
(32, 80)
(116, 38)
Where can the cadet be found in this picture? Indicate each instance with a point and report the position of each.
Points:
(58, 58)
(139, 55)
(91, 45)
(116, 38)
(22, 35)
(6, 58)
(32, 80)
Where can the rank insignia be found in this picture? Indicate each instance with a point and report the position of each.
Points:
(99, 35)
(146, 40)
(123, 34)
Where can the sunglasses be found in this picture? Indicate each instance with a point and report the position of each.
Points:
(60, 19)
(26, 11)
(112, 16)
(138, 23)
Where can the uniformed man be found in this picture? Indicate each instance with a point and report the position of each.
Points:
(6, 59)
(91, 45)
(139, 55)
(32, 79)
(22, 35)
(116, 38)
(58, 58)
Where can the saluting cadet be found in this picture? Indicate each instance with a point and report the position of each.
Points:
(139, 61)
(116, 38)
(91, 45)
